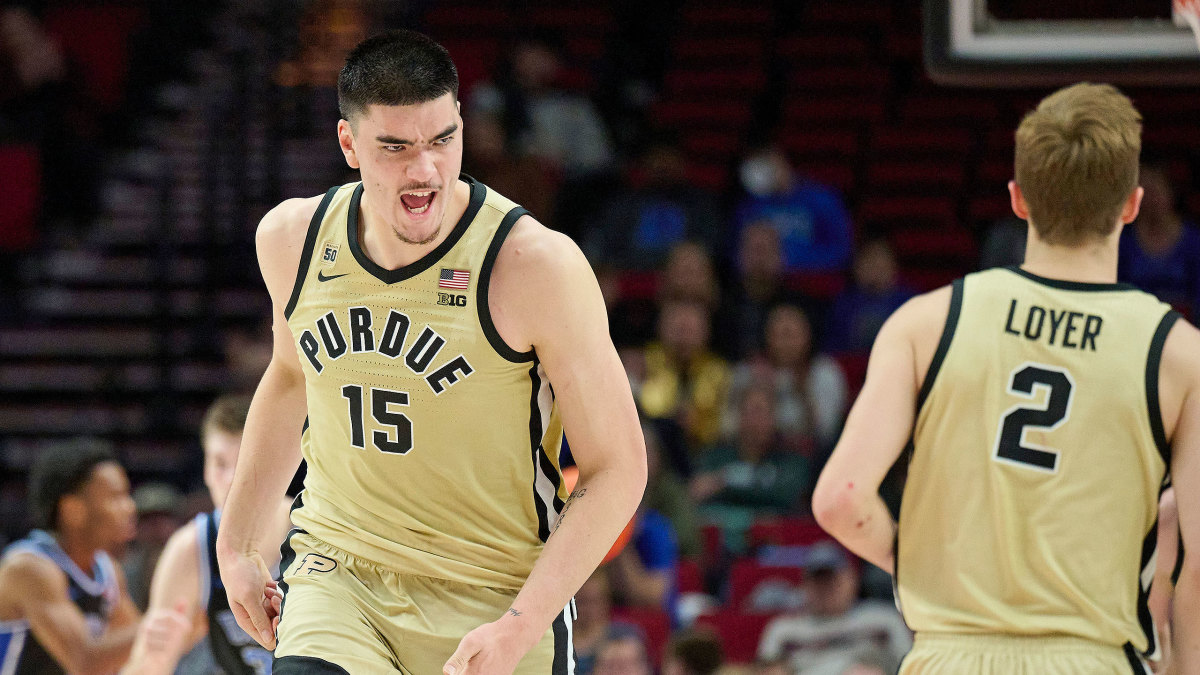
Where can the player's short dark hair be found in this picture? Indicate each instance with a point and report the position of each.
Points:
(62, 470)
(399, 67)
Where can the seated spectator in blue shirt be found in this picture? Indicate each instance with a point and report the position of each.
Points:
(1160, 252)
(640, 226)
(813, 224)
(643, 573)
(859, 311)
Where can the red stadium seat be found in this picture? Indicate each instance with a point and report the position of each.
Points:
(934, 244)
(689, 577)
(739, 632)
(728, 18)
(929, 176)
(713, 543)
(726, 51)
(824, 48)
(821, 143)
(926, 278)
(747, 574)
(872, 79)
(638, 285)
(840, 175)
(655, 626)
(849, 13)
(725, 81)
(785, 531)
(817, 285)
(896, 212)
(838, 112)
(96, 39)
(941, 109)
(703, 114)
(21, 194)
(906, 141)
(854, 368)
(710, 176)
(712, 144)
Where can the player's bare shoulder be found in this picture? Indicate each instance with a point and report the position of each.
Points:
(287, 223)
(280, 240)
(25, 576)
(537, 268)
(922, 316)
(534, 248)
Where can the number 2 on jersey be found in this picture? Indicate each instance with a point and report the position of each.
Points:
(396, 440)
(1010, 440)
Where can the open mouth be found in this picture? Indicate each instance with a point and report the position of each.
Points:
(417, 203)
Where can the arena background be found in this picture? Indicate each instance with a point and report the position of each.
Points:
(141, 141)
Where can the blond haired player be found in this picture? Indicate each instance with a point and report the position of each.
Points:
(1045, 404)
(438, 340)
(186, 574)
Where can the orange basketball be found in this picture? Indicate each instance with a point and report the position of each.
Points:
(570, 477)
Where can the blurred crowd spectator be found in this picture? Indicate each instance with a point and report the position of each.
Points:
(814, 227)
(1160, 251)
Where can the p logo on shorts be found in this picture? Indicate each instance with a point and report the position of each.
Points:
(315, 563)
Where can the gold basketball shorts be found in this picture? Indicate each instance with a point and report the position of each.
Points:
(343, 614)
(938, 654)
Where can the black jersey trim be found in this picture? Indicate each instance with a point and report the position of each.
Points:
(310, 241)
(1153, 363)
(1065, 285)
(210, 534)
(1135, 661)
(535, 445)
(287, 554)
(1178, 569)
(1145, 620)
(562, 645)
(306, 665)
(485, 281)
(935, 366)
(478, 192)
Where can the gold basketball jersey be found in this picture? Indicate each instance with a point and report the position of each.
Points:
(1038, 459)
(432, 446)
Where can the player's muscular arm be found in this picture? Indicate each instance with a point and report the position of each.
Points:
(1179, 394)
(175, 587)
(846, 500)
(39, 588)
(270, 443)
(539, 269)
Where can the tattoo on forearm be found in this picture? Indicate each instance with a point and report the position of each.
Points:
(578, 494)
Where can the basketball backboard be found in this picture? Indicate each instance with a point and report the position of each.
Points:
(1008, 43)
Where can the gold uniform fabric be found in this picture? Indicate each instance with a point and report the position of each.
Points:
(432, 446)
(943, 654)
(1038, 459)
(366, 618)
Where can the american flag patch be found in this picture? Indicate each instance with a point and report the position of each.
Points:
(454, 279)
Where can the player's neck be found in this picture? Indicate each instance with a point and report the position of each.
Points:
(77, 547)
(377, 234)
(1094, 262)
